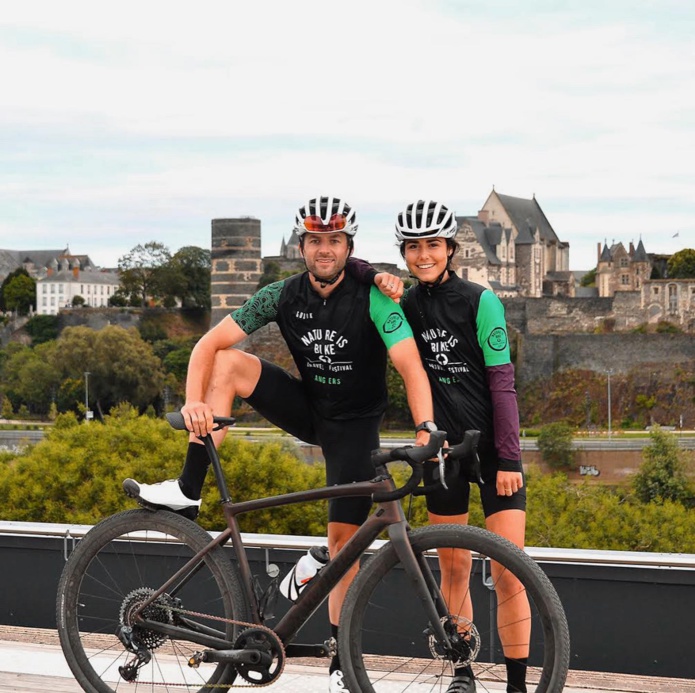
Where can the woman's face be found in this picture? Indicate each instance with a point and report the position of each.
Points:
(426, 258)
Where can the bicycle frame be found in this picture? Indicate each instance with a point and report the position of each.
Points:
(387, 516)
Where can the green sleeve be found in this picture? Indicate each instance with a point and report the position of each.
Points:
(388, 318)
(492, 330)
(260, 309)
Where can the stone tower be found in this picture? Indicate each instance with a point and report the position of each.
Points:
(236, 263)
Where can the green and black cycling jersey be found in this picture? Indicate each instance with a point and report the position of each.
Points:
(338, 343)
(460, 330)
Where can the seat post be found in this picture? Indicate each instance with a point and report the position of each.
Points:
(217, 468)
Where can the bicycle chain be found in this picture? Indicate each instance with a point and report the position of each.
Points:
(236, 623)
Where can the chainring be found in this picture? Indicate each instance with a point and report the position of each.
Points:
(267, 642)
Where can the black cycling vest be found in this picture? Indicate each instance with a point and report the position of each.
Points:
(444, 323)
(336, 346)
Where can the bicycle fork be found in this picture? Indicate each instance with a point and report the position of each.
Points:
(423, 581)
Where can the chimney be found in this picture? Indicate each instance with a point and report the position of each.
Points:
(484, 216)
(598, 253)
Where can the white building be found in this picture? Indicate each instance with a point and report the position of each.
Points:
(64, 280)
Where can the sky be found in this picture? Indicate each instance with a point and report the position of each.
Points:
(134, 121)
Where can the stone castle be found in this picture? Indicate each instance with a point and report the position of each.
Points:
(510, 247)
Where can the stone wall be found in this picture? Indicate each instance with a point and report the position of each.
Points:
(542, 355)
(561, 315)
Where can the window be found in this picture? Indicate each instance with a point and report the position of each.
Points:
(60, 288)
(655, 290)
(625, 279)
(672, 299)
(53, 288)
(44, 288)
(623, 262)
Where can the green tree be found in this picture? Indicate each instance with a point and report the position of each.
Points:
(193, 266)
(681, 265)
(555, 445)
(589, 279)
(31, 379)
(20, 294)
(123, 367)
(7, 412)
(663, 473)
(142, 271)
(20, 272)
(42, 328)
(78, 301)
(271, 273)
(119, 299)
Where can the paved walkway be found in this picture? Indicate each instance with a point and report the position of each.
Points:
(31, 660)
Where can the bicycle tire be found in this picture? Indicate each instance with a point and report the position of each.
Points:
(380, 652)
(119, 560)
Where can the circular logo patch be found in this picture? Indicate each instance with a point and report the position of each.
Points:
(392, 323)
(497, 339)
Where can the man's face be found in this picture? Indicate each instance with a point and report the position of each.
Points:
(325, 254)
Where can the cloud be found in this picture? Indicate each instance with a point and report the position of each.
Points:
(123, 122)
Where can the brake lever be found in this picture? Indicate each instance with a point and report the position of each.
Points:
(442, 476)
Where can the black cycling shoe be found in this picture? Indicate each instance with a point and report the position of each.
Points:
(462, 683)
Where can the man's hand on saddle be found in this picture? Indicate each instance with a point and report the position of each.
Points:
(198, 417)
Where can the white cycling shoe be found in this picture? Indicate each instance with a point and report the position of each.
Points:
(336, 684)
(165, 494)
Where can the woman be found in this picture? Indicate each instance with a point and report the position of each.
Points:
(461, 334)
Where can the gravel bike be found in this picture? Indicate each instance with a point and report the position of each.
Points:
(148, 600)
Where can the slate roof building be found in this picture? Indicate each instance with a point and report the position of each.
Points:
(511, 247)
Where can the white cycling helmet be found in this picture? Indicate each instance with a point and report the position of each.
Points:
(325, 215)
(425, 219)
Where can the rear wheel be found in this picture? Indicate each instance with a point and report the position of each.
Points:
(388, 647)
(116, 568)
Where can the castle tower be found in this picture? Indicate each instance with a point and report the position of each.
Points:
(236, 263)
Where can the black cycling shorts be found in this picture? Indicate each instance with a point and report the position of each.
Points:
(455, 500)
(346, 444)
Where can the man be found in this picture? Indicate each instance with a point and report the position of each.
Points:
(338, 331)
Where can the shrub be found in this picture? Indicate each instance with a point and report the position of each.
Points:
(662, 475)
(555, 445)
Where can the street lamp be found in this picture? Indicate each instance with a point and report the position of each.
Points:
(86, 395)
(608, 372)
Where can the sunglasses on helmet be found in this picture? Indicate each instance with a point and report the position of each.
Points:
(314, 224)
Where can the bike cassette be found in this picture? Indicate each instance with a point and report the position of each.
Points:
(272, 663)
(160, 610)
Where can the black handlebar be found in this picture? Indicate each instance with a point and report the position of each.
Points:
(415, 457)
(466, 452)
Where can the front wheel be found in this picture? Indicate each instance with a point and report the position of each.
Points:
(505, 606)
(118, 566)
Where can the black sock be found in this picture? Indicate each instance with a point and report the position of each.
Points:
(516, 674)
(335, 662)
(194, 471)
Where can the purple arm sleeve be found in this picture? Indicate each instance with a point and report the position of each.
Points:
(361, 270)
(505, 413)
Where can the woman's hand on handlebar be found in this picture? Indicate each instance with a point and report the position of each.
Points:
(198, 418)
